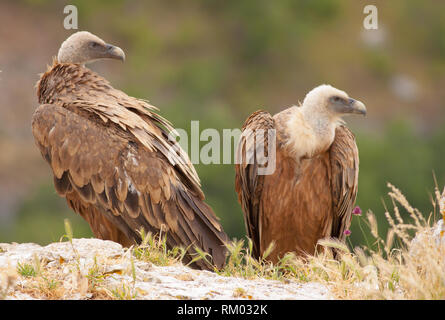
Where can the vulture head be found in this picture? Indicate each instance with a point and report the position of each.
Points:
(332, 102)
(317, 119)
(84, 47)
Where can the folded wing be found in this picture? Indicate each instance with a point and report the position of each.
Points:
(119, 185)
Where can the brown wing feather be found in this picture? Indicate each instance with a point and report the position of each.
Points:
(248, 184)
(119, 186)
(80, 88)
(344, 166)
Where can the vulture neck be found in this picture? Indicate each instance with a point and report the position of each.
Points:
(309, 132)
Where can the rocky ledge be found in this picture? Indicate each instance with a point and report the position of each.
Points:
(98, 269)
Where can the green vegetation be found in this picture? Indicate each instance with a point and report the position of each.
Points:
(123, 293)
(26, 270)
(154, 249)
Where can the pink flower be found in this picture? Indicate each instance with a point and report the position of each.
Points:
(347, 232)
(357, 211)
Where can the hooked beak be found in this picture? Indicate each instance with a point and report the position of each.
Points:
(357, 107)
(113, 52)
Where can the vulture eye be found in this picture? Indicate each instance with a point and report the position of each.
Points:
(336, 99)
(94, 44)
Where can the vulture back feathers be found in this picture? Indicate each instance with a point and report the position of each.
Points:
(112, 159)
(311, 193)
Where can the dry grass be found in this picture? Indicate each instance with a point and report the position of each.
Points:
(153, 248)
(399, 268)
(73, 280)
(392, 268)
(65, 281)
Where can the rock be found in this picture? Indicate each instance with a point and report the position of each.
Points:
(435, 234)
(73, 268)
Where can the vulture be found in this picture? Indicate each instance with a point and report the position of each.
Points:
(113, 160)
(311, 192)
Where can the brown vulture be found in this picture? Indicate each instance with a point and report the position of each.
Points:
(311, 192)
(112, 158)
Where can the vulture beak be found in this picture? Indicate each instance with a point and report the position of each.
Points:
(357, 107)
(113, 52)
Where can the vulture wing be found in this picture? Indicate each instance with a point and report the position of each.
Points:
(344, 165)
(248, 183)
(113, 180)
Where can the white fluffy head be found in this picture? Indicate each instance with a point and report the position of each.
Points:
(330, 102)
(311, 127)
(319, 98)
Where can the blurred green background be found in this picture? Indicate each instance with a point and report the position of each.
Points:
(217, 62)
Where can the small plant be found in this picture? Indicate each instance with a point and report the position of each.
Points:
(26, 270)
(241, 293)
(51, 284)
(124, 293)
(69, 235)
(241, 263)
(95, 276)
(154, 249)
(50, 287)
